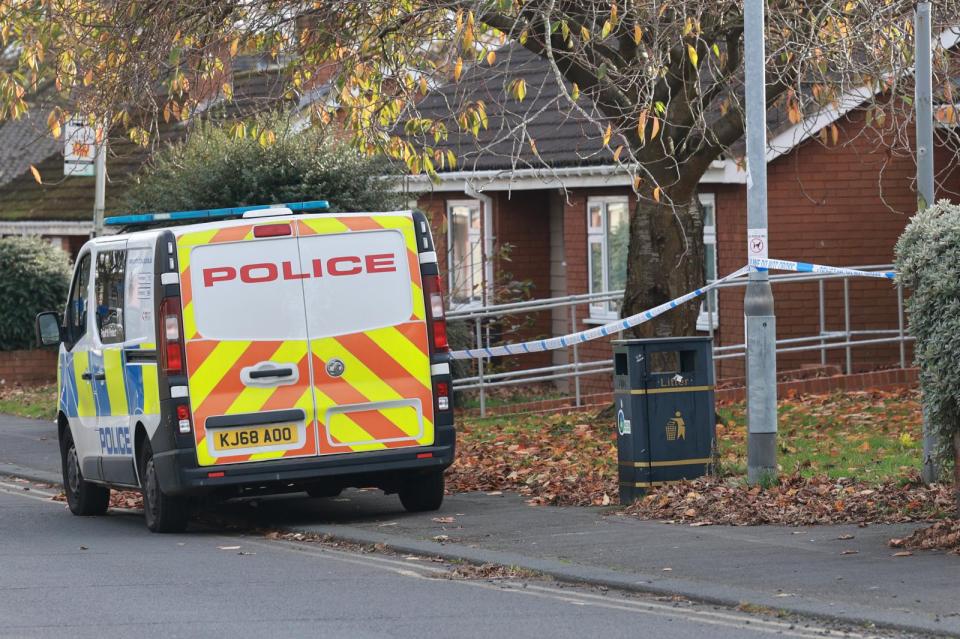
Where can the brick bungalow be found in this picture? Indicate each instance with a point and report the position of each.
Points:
(842, 205)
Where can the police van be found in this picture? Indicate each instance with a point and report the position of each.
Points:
(259, 349)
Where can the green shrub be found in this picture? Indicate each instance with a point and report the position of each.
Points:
(213, 168)
(928, 262)
(36, 277)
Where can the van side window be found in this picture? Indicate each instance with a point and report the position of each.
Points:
(108, 287)
(76, 319)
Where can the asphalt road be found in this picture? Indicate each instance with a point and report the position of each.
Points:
(104, 577)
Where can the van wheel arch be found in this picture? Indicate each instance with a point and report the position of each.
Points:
(63, 426)
(139, 437)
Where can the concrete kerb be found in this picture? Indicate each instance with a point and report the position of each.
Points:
(32, 474)
(703, 592)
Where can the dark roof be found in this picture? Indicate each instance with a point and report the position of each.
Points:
(26, 141)
(563, 137)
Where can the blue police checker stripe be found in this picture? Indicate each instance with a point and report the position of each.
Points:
(100, 395)
(760, 263)
(68, 385)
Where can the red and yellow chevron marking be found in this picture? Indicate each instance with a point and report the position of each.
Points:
(216, 389)
(387, 365)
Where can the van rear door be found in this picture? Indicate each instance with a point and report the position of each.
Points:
(246, 342)
(367, 329)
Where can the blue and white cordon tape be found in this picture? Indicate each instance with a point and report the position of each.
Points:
(806, 267)
(541, 345)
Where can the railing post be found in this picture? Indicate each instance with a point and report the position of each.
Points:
(903, 344)
(846, 323)
(708, 299)
(483, 397)
(576, 353)
(823, 323)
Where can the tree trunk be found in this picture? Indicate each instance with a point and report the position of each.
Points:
(665, 260)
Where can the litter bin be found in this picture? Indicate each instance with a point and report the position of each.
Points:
(666, 426)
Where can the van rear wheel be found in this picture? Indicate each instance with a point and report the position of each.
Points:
(84, 498)
(164, 514)
(423, 493)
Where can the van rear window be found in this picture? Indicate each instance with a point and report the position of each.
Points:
(277, 288)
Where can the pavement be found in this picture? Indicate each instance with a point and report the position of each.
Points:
(808, 571)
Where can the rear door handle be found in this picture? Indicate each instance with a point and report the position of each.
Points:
(271, 372)
(268, 374)
(97, 376)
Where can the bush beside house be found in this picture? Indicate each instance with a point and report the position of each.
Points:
(36, 277)
(928, 261)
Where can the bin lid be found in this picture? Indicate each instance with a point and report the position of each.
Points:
(663, 340)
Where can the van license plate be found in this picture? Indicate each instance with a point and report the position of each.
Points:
(254, 436)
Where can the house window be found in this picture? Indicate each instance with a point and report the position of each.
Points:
(608, 235)
(709, 204)
(465, 252)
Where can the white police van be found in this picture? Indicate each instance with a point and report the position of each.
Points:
(261, 349)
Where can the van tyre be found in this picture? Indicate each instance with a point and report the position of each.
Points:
(164, 514)
(84, 498)
(422, 493)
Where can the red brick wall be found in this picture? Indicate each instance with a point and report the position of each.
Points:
(28, 367)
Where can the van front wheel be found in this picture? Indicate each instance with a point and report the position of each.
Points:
(164, 514)
(422, 493)
(83, 498)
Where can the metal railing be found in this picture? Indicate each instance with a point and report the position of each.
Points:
(825, 340)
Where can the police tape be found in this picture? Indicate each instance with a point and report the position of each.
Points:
(541, 345)
(806, 267)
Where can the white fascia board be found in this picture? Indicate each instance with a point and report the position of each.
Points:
(720, 172)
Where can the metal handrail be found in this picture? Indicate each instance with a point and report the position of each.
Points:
(823, 341)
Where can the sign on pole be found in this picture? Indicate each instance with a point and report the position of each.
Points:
(79, 149)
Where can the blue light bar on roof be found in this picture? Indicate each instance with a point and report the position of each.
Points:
(211, 214)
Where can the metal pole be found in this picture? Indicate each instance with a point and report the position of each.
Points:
(100, 185)
(846, 322)
(759, 320)
(925, 185)
(903, 343)
(576, 354)
(483, 397)
(823, 325)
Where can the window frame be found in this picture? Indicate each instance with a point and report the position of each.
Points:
(709, 238)
(601, 310)
(480, 236)
(98, 282)
(68, 316)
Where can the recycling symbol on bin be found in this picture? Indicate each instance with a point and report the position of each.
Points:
(623, 424)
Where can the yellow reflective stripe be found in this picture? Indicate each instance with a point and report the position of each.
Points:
(419, 307)
(343, 429)
(116, 387)
(326, 225)
(151, 390)
(405, 352)
(213, 368)
(203, 454)
(401, 415)
(355, 373)
(252, 398)
(271, 454)
(196, 238)
(86, 406)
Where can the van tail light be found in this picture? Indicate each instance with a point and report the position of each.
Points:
(443, 396)
(171, 331)
(183, 418)
(435, 307)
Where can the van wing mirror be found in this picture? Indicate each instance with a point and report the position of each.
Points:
(48, 329)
